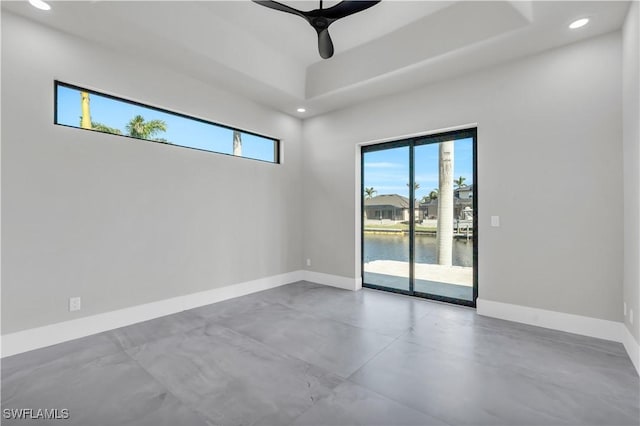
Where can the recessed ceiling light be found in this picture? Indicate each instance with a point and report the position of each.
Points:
(39, 4)
(579, 23)
(301, 110)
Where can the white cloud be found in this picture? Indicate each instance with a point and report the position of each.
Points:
(427, 178)
(389, 189)
(382, 165)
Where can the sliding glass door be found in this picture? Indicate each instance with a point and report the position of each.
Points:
(386, 217)
(419, 210)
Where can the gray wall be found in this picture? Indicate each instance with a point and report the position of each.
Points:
(122, 222)
(631, 130)
(549, 163)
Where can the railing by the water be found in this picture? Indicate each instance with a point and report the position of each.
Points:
(461, 229)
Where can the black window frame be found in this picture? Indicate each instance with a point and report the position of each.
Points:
(57, 83)
(412, 143)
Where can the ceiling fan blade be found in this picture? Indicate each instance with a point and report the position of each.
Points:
(320, 19)
(279, 6)
(325, 45)
(346, 8)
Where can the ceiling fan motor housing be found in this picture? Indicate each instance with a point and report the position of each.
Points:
(320, 23)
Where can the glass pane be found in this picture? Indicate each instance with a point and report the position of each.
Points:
(386, 218)
(444, 227)
(89, 110)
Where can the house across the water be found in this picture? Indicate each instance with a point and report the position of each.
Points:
(395, 208)
(462, 205)
(391, 207)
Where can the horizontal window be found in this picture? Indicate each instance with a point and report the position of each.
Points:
(90, 110)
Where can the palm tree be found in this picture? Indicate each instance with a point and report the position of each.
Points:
(237, 143)
(85, 119)
(416, 186)
(425, 199)
(433, 195)
(138, 128)
(444, 232)
(369, 192)
(104, 128)
(460, 182)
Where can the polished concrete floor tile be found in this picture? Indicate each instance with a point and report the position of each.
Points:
(385, 313)
(308, 354)
(496, 344)
(231, 308)
(468, 316)
(334, 346)
(155, 329)
(111, 390)
(350, 404)
(464, 392)
(232, 379)
(299, 291)
(172, 412)
(70, 353)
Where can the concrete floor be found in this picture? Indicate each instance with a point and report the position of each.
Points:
(305, 354)
(449, 281)
(430, 287)
(458, 275)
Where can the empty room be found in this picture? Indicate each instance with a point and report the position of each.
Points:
(320, 213)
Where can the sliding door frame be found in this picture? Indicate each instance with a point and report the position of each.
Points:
(412, 142)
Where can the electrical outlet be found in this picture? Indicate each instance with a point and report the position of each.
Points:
(74, 304)
(308, 262)
(624, 308)
(495, 221)
(631, 316)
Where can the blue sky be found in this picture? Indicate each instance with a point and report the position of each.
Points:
(180, 130)
(388, 171)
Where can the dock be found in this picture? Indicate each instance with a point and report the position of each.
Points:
(465, 234)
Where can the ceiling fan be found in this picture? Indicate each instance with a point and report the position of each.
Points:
(320, 19)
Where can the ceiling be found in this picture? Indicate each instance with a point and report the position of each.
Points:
(272, 57)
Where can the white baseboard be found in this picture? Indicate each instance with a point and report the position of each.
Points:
(40, 337)
(586, 326)
(333, 280)
(577, 324)
(34, 338)
(632, 347)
